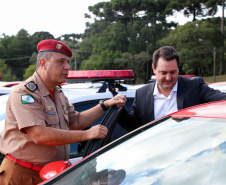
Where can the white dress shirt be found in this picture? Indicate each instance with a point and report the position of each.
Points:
(164, 105)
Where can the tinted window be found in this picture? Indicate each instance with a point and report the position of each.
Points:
(77, 149)
(190, 151)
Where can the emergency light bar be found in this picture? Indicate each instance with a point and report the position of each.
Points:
(9, 84)
(98, 75)
(187, 75)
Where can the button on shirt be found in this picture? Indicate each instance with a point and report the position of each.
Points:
(165, 105)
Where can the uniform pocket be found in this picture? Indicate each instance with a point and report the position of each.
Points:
(52, 120)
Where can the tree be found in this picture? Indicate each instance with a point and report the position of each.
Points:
(33, 58)
(200, 8)
(213, 6)
(5, 72)
(42, 35)
(195, 57)
(126, 11)
(72, 37)
(155, 16)
(29, 71)
(20, 50)
(137, 62)
(4, 46)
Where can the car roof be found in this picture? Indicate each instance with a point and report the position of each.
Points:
(218, 86)
(217, 83)
(81, 85)
(9, 84)
(82, 95)
(5, 90)
(208, 110)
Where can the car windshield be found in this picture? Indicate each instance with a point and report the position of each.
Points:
(177, 151)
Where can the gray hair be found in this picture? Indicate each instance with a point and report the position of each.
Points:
(47, 55)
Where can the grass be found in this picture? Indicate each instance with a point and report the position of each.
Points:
(219, 78)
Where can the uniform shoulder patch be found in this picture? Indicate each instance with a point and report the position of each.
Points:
(31, 86)
(26, 99)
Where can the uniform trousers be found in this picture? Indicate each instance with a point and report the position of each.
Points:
(14, 174)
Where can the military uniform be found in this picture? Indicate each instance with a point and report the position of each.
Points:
(31, 104)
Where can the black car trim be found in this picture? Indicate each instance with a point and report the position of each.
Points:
(87, 143)
(110, 123)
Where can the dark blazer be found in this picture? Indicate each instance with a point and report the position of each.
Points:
(190, 92)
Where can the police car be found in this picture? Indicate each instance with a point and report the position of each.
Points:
(84, 90)
(5, 90)
(185, 147)
(105, 84)
(9, 84)
(7, 87)
(218, 86)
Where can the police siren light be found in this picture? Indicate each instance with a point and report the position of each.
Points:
(101, 75)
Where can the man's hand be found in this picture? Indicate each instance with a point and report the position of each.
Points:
(98, 131)
(118, 100)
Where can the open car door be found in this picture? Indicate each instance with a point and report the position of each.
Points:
(110, 121)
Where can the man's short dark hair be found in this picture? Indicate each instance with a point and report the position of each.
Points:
(166, 52)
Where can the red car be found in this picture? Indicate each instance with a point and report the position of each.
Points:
(185, 147)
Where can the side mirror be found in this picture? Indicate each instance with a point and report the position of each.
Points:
(52, 169)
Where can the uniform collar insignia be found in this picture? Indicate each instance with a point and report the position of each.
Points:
(49, 107)
(59, 88)
(65, 109)
(31, 86)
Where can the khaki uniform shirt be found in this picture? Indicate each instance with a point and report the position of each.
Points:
(30, 106)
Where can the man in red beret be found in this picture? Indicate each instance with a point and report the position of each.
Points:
(40, 123)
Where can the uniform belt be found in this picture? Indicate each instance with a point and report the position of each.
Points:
(25, 164)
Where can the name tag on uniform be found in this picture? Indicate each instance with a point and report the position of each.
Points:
(52, 113)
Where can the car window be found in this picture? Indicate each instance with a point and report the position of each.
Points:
(77, 149)
(186, 151)
(109, 121)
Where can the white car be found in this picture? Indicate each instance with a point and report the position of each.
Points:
(84, 96)
(218, 86)
(5, 90)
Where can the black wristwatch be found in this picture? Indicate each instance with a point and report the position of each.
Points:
(101, 102)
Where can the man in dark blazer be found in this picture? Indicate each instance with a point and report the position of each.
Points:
(181, 92)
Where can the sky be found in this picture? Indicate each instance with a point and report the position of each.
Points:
(58, 17)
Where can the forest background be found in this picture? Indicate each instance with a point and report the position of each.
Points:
(124, 35)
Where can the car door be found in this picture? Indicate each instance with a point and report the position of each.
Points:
(77, 149)
(110, 121)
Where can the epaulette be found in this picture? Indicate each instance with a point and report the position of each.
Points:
(59, 88)
(31, 86)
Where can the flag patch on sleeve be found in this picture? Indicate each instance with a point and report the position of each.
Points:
(26, 99)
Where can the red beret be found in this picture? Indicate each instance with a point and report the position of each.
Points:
(54, 46)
